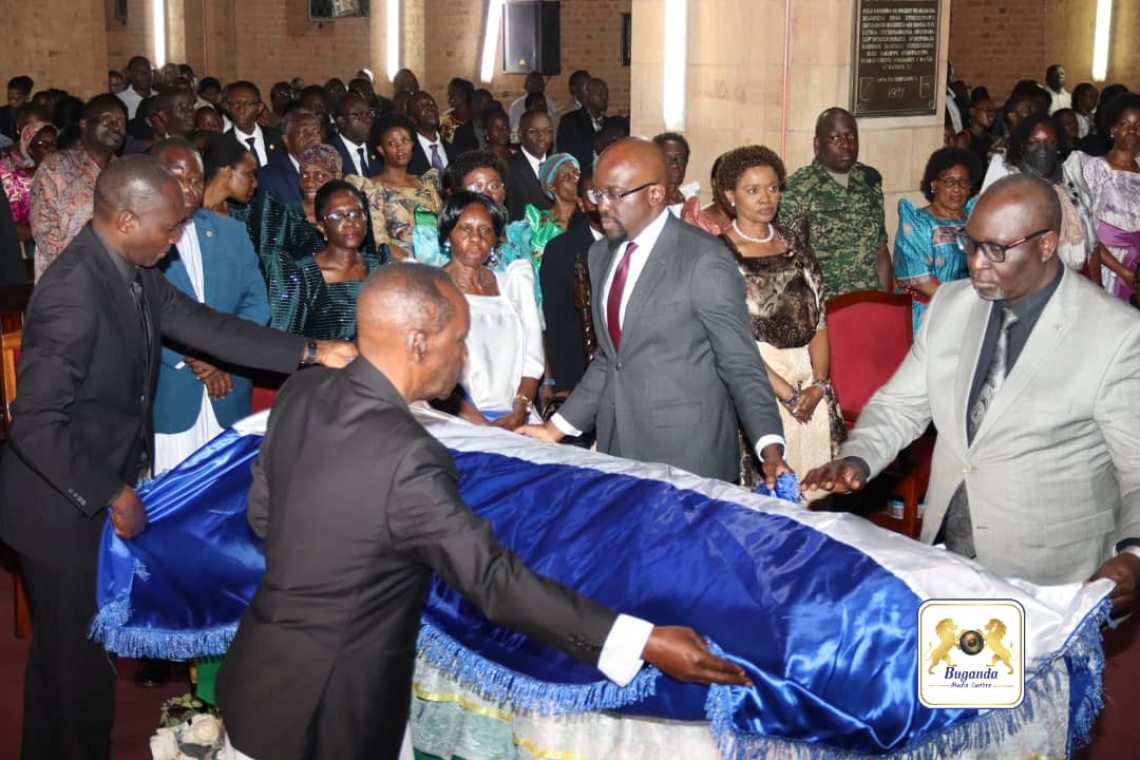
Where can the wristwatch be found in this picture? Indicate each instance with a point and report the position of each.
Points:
(310, 354)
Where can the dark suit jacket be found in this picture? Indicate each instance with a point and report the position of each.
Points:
(523, 187)
(421, 162)
(233, 285)
(330, 634)
(576, 136)
(12, 272)
(82, 395)
(465, 139)
(274, 145)
(375, 162)
(8, 123)
(564, 341)
(281, 180)
(688, 366)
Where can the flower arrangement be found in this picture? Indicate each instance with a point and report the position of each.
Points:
(190, 730)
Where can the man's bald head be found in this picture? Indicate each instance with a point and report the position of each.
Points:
(826, 117)
(167, 149)
(404, 297)
(634, 169)
(136, 183)
(1014, 229)
(1026, 197)
(412, 325)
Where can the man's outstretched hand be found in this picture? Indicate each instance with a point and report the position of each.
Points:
(682, 654)
(1124, 571)
(839, 475)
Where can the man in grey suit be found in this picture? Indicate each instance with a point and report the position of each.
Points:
(1032, 377)
(321, 666)
(677, 365)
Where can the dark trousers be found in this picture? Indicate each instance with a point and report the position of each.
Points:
(69, 686)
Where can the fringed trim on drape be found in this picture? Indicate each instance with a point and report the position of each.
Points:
(110, 628)
(500, 684)
(1083, 663)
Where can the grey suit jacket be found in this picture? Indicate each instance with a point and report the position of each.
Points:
(359, 505)
(1053, 473)
(688, 367)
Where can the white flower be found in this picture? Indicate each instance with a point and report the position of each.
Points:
(164, 744)
(204, 729)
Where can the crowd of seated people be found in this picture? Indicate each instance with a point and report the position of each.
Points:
(299, 170)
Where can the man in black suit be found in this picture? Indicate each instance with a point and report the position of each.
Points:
(321, 666)
(300, 129)
(577, 130)
(430, 150)
(12, 273)
(81, 434)
(565, 255)
(523, 186)
(243, 104)
(354, 123)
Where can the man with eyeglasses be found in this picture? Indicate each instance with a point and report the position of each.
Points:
(1032, 377)
(676, 365)
(354, 124)
(300, 130)
(243, 105)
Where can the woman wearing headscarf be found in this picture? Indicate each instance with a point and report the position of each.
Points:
(558, 175)
(37, 142)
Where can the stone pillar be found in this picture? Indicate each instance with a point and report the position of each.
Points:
(745, 85)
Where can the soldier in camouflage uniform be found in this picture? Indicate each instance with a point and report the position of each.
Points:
(843, 202)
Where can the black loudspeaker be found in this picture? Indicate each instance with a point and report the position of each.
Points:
(532, 37)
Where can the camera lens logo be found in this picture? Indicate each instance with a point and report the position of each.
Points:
(971, 643)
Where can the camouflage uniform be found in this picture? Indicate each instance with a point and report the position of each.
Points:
(845, 225)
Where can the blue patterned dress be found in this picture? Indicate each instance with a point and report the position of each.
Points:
(925, 250)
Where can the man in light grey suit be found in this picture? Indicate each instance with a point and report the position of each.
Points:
(677, 365)
(1036, 472)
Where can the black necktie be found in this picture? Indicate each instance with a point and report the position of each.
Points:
(253, 149)
(363, 161)
(957, 526)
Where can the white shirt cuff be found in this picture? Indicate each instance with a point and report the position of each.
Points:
(566, 428)
(765, 441)
(1133, 550)
(621, 654)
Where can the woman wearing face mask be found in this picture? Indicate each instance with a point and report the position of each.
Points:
(505, 357)
(1114, 189)
(1037, 147)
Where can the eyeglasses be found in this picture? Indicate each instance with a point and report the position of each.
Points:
(358, 114)
(995, 252)
(950, 183)
(596, 196)
(537, 132)
(486, 187)
(354, 214)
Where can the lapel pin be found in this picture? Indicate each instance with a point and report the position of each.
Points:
(209, 233)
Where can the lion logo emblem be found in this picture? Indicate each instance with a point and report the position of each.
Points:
(994, 634)
(947, 633)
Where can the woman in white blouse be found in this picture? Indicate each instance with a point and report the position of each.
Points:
(504, 346)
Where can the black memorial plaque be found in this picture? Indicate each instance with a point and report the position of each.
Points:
(895, 64)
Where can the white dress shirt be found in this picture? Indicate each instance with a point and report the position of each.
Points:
(354, 151)
(518, 108)
(645, 242)
(259, 143)
(170, 449)
(535, 163)
(426, 145)
(131, 100)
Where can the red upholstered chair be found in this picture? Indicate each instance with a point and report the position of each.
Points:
(9, 360)
(262, 399)
(870, 333)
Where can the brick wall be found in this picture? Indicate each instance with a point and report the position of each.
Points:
(126, 40)
(591, 40)
(51, 41)
(997, 42)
